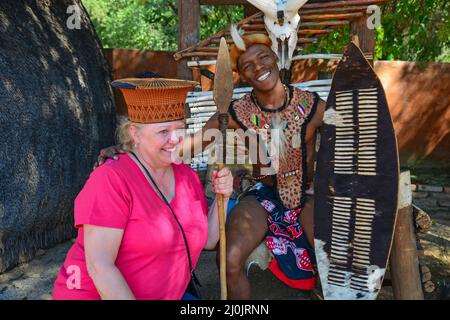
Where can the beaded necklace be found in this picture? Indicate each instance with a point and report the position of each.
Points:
(259, 121)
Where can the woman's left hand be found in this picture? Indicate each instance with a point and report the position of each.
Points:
(222, 182)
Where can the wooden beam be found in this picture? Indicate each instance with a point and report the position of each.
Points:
(199, 54)
(223, 2)
(181, 54)
(343, 16)
(258, 23)
(404, 262)
(333, 10)
(217, 41)
(249, 10)
(366, 36)
(334, 4)
(253, 27)
(306, 6)
(307, 40)
(324, 23)
(315, 31)
(315, 17)
(189, 31)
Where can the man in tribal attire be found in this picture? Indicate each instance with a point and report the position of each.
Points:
(275, 207)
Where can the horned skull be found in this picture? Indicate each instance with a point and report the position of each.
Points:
(282, 22)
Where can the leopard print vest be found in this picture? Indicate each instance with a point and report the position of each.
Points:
(290, 174)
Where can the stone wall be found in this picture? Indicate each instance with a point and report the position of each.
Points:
(434, 200)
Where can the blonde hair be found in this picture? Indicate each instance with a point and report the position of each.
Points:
(123, 133)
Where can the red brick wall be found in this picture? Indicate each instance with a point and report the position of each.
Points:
(418, 95)
(128, 62)
(419, 101)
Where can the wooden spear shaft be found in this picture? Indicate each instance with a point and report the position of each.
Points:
(223, 125)
(223, 94)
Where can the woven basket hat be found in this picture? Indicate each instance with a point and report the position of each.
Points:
(152, 100)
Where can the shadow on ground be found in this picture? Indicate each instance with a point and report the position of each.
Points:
(34, 280)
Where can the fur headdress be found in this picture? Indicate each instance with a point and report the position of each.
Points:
(243, 42)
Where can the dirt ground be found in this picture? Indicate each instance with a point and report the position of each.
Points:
(34, 280)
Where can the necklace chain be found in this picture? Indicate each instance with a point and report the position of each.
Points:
(286, 99)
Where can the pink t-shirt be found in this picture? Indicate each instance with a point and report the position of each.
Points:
(152, 256)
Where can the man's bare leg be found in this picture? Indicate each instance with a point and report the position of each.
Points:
(306, 220)
(245, 229)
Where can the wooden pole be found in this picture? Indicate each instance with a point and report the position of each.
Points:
(366, 36)
(222, 95)
(223, 125)
(189, 31)
(222, 244)
(404, 262)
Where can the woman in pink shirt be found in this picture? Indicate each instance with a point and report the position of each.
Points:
(138, 238)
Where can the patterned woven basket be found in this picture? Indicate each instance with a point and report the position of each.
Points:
(153, 100)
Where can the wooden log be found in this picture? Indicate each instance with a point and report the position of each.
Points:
(426, 273)
(429, 287)
(253, 26)
(331, 4)
(207, 49)
(249, 10)
(196, 75)
(307, 40)
(181, 54)
(340, 16)
(199, 54)
(358, 27)
(315, 31)
(217, 40)
(422, 221)
(223, 2)
(404, 262)
(324, 23)
(189, 26)
(320, 16)
(333, 10)
(258, 28)
(334, 4)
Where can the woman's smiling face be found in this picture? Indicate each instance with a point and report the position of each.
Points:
(258, 67)
(159, 141)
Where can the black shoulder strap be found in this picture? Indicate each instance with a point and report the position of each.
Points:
(168, 204)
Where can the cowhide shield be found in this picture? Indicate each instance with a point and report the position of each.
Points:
(356, 183)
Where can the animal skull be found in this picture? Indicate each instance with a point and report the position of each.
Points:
(282, 22)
